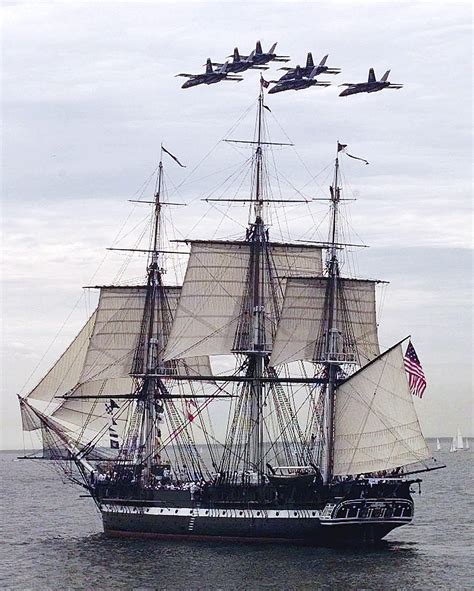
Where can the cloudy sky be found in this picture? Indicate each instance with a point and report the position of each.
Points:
(88, 94)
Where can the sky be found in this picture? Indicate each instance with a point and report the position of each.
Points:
(89, 93)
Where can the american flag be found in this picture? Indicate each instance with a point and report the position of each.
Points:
(416, 377)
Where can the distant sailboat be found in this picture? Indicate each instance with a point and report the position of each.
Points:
(466, 445)
(453, 445)
(438, 445)
(459, 440)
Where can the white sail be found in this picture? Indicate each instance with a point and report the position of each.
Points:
(438, 445)
(300, 333)
(92, 413)
(459, 440)
(109, 359)
(453, 445)
(375, 423)
(65, 373)
(214, 287)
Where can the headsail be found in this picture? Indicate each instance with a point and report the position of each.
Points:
(375, 423)
(65, 373)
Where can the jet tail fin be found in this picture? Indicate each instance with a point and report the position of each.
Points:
(223, 68)
(385, 76)
(258, 47)
(209, 66)
(272, 48)
(309, 61)
(313, 72)
(324, 60)
(236, 55)
(250, 57)
(371, 75)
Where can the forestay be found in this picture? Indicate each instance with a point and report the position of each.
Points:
(214, 287)
(302, 327)
(375, 423)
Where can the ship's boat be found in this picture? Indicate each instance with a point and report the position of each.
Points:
(251, 402)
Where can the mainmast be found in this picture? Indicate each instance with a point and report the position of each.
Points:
(257, 237)
(332, 361)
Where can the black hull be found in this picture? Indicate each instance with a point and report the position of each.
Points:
(300, 526)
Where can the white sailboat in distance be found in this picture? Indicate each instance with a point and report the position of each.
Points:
(438, 444)
(459, 440)
(453, 445)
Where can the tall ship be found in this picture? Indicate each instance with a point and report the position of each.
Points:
(251, 402)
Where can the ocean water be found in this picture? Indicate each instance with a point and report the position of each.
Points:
(52, 539)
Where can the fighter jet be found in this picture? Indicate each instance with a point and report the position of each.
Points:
(298, 82)
(210, 76)
(238, 64)
(260, 58)
(372, 85)
(306, 71)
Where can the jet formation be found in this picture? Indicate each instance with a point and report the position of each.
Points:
(294, 78)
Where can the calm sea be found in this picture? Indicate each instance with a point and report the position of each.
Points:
(52, 539)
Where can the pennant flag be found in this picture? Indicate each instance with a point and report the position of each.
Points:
(267, 108)
(264, 83)
(342, 148)
(111, 406)
(416, 377)
(190, 410)
(113, 436)
(174, 157)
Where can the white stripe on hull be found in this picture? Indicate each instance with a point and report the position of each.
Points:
(212, 513)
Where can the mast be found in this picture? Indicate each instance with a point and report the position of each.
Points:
(332, 333)
(153, 349)
(257, 350)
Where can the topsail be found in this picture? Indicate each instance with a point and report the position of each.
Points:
(303, 327)
(211, 307)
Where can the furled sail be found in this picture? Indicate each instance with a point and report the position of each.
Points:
(375, 422)
(214, 287)
(302, 328)
(109, 359)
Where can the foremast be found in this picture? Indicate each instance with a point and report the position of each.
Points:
(149, 356)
